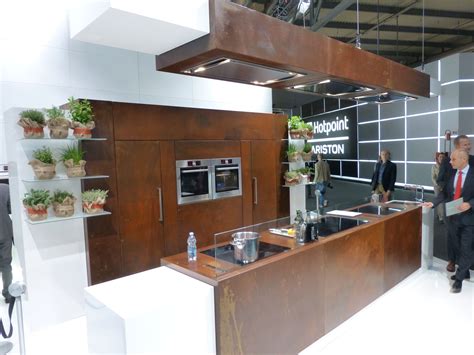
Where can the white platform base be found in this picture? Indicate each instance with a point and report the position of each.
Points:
(159, 311)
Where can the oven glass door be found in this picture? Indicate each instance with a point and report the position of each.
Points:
(193, 184)
(227, 180)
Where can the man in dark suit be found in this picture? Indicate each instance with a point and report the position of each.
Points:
(384, 177)
(460, 185)
(445, 171)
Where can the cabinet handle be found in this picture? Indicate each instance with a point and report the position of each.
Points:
(160, 200)
(255, 191)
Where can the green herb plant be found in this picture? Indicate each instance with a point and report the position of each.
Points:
(292, 148)
(44, 155)
(80, 110)
(307, 148)
(73, 152)
(290, 175)
(37, 197)
(95, 195)
(294, 122)
(59, 196)
(54, 113)
(34, 116)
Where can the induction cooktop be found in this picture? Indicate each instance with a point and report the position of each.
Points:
(226, 252)
(378, 210)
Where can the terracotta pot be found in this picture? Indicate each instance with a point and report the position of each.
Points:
(292, 182)
(37, 214)
(43, 171)
(307, 134)
(33, 132)
(295, 134)
(75, 170)
(63, 210)
(80, 132)
(92, 207)
(58, 132)
(306, 156)
(292, 157)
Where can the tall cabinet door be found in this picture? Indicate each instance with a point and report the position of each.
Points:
(264, 189)
(140, 208)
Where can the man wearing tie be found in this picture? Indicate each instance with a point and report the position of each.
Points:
(460, 185)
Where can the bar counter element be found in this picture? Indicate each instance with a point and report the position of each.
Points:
(285, 302)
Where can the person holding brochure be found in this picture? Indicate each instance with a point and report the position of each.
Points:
(458, 195)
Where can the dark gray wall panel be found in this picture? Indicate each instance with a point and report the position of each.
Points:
(422, 105)
(450, 96)
(449, 120)
(397, 149)
(419, 174)
(367, 113)
(395, 109)
(421, 150)
(368, 151)
(466, 66)
(466, 94)
(422, 126)
(369, 131)
(366, 170)
(400, 174)
(466, 121)
(392, 129)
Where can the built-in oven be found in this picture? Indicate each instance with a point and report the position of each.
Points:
(226, 177)
(193, 180)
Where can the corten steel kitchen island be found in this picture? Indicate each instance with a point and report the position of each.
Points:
(283, 303)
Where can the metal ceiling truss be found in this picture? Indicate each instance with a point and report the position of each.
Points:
(393, 42)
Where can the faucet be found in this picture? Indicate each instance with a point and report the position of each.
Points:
(416, 188)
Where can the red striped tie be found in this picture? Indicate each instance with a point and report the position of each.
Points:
(457, 193)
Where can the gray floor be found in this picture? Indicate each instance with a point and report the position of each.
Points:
(346, 194)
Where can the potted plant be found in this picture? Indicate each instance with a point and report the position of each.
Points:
(43, 163)
(72, 158)
(305, 174)
(292, 153)
(93, 201)
(294, 125)
(32, 122)
(292, 178)
(81, 116)
(58, 125)
(36, 203)
(307, 152)
(63, 203)
(307, 130)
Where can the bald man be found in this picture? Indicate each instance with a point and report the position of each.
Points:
(460, 185)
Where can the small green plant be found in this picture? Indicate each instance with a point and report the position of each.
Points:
(307, 148)
(290, 175)
(306, 125)
(34, 116)
(81, 110)
(305, 171)
(37, 197)
(59, 196)
(73, 152)
(97, 196)
(54, 113)
(292, 148)
(44, 155)
(294, 122)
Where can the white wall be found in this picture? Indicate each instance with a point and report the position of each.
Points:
(40, 67)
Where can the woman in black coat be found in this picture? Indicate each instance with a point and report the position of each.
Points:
(384, 177)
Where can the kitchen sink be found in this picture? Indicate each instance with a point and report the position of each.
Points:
(378, 210)
(402, 202)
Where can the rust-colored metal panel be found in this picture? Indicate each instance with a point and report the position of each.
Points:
(239, 33)
(276, 309)
(205, 219)
(139, 184)
(402, 247)
(354, 267)
(206, 149)
(247, 184)
(104, 230)
(152, 122)
(263, 177)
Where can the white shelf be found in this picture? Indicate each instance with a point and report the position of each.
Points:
(62, 178)
(62, 139)
(75, 216)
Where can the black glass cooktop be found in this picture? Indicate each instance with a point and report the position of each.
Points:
(329, 225)
(226, 252)
(378, 210)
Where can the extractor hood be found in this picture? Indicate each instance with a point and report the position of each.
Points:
(249, 47)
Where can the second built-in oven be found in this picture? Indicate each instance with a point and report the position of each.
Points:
(226, 177)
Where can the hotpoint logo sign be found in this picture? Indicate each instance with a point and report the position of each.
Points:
(335, 134)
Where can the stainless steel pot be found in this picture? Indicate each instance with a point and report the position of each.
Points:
(245, 246)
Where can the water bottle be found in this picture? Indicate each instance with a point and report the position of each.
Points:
(192, 250)
(300, 227)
